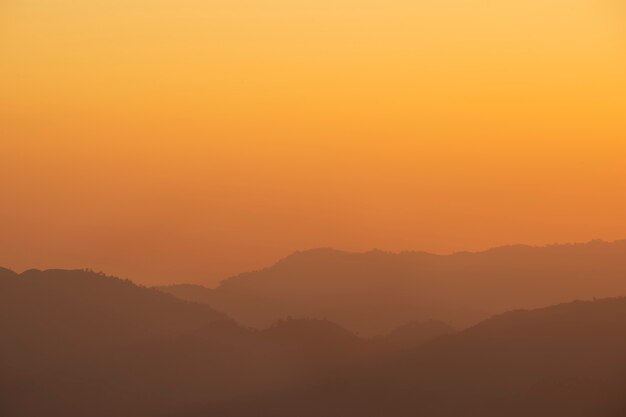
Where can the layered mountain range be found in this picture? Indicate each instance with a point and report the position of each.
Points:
(283, 341)
(374, 292)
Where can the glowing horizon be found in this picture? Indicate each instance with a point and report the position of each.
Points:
(189, 141)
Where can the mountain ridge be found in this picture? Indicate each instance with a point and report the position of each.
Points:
(385, 290)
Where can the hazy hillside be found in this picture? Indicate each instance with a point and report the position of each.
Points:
(87, 344)
(374, 292)
(77, 343)
(563, 361)
(85, 309)
(59, 328)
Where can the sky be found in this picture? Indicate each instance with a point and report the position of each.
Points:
(187, 141)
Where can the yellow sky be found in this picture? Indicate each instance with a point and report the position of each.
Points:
(189, 140)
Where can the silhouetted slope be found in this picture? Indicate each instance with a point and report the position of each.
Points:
(415, 334)
(374, 292)
(563, 361)
(189, 292)
(317, 346)
(79, 307)
(508, 354)
(76, 343)
(310, 332)
(496, 366)
(56, 325)
(7, 273)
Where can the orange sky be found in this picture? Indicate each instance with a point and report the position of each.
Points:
(189, 140)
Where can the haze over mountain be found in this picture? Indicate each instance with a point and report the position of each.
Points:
(77, 343)
(563, 361)
(59, 329)
(374, 292)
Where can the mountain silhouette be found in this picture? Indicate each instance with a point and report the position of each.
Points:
(59, 327)
(78, 343)
(82, 308)
(375, 292)
(563, 361)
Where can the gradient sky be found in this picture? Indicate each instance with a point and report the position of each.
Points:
(188, 140)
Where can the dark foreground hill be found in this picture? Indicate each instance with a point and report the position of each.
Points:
(57, 327)
(85, 308)
(372, 293)
(77, 343)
